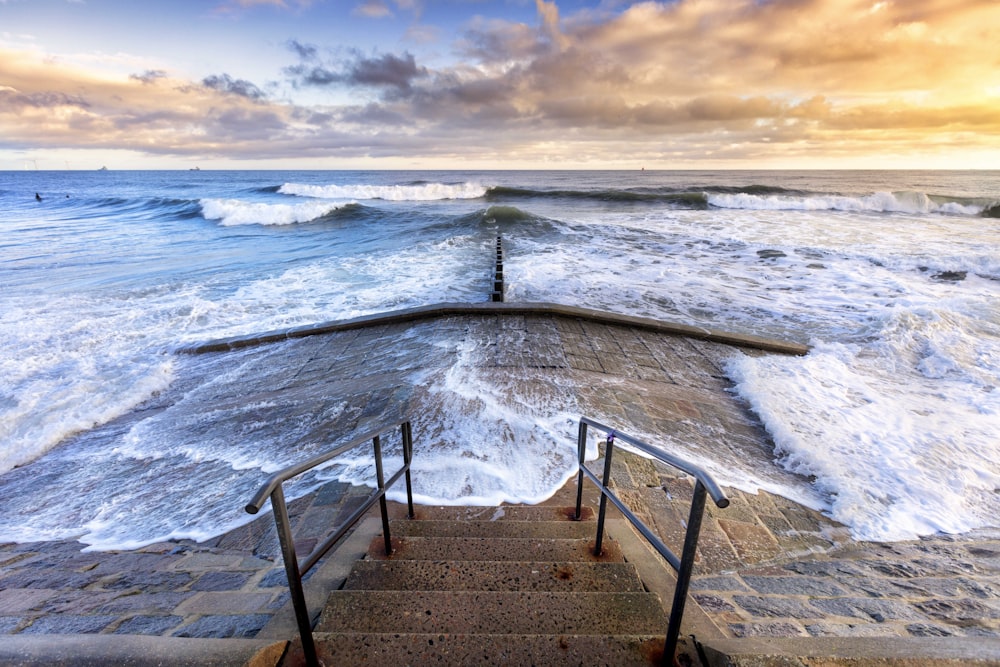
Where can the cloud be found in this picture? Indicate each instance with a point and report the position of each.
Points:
(379, 9)
(15, 100)
(681, 80)
(386, 71)
(305, 52)
(149, 76)
(373, 9)
(279, 4)
(226, 84)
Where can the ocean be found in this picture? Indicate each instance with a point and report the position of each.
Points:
(893, 278)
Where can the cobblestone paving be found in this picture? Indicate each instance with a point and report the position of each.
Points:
(770, 568)
(767, 566)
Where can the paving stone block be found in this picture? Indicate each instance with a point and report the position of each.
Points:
(68, 624)
(18, 600)
(826, 568)
(206, 562)
(163, 602)
(739, 509)
(712, 603)
(752, 542)
(718, 584)
(803, 519)
(148, 625)
(897, 569)
(246, 538)
(775, 607)
(78, 602)
(826, 629)
(761, 502)
(777, 629)
(715, 551)
(958, 612)
(879, 611)
(804, 586)
(678, 488)
(8, 624)
(929, 630)
(577, 361)
(956, 587)
(223, 603)
(276, 578)
(787, 536)
(221, 581)
(242, 626)
(148, 582)
(51, 578)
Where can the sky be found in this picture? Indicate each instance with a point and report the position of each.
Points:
(498, 84)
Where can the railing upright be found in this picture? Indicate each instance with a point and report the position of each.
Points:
(704, 486)
(272, 489)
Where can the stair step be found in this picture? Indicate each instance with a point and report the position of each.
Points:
(511, 528)
(494, 549)
(486, 649)
(501, 513)
(411, 575)
(492, 612)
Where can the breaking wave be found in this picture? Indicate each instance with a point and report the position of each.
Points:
(878, 202)
(232, 212)
(411, 192)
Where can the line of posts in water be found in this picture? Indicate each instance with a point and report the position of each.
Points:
(498, 273)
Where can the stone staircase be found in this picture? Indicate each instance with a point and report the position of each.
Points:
(513, 585)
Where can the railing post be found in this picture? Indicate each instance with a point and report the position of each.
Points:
(380, 477)
(407, 435)
(608, 450)
(292, 573)
(684, 573)
(581, 452)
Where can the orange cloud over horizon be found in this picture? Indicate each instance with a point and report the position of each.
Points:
(693, 83)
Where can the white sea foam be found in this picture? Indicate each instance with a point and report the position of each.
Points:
(72, 369)
(926, 446)
(894, 412)
(880, 202)
(86, 360)
(895, 416)
(485, 439)
(233, 212)
(422, 192)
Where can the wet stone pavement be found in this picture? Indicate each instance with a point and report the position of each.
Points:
(767, 566)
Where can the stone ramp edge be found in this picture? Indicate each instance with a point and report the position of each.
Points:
(853, 651)
(497, 308)
(85, 650)
(485, 649)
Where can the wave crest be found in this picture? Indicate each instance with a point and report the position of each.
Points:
(232, 212)
(878, 202)
(416, 192)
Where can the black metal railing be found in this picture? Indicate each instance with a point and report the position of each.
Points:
(704, 485)
(293, 569)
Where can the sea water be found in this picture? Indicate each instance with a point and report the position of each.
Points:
(891, 277)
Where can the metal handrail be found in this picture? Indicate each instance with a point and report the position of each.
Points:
(684, 565)
(294, 570)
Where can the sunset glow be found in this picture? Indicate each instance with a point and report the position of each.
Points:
(410, 84)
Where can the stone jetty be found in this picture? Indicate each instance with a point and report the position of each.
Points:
(773, 578)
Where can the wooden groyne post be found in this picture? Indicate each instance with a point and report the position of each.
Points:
(498, 273)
